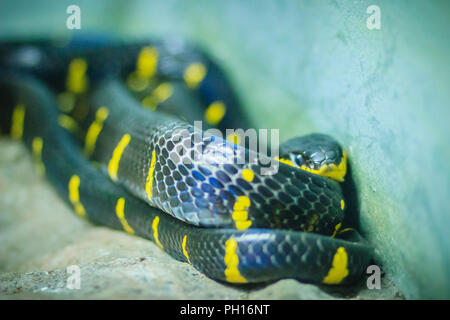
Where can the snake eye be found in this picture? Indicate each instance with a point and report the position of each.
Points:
(297, 159)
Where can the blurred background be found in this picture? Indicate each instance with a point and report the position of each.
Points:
(315, 66)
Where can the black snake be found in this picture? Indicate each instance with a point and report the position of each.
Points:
(202, 198)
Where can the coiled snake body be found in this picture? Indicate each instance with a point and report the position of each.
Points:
(156, 176)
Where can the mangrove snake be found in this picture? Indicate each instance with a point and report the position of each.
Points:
(79, 109)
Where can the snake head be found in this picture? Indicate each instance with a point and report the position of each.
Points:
(316, 153)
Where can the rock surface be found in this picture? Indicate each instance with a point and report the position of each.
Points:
(40, 237)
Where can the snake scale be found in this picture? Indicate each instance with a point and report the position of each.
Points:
(149, 171)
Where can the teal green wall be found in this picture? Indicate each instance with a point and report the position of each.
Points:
(307, 66)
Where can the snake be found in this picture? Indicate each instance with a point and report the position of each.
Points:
(110, 125)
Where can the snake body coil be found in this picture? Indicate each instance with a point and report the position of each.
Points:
(197, 196)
